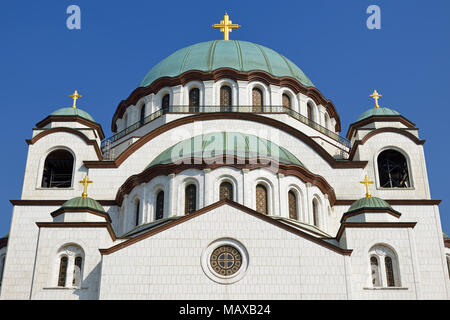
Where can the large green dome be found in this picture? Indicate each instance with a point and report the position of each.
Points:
(73, 112)
(239, 55)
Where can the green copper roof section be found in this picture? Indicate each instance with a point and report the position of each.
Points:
(444, 235)
(225, 143)
(239, 55)
(378, 112)
(371, 203)
(73, 112)
(80, 202)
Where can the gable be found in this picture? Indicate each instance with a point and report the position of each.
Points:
(227, 219)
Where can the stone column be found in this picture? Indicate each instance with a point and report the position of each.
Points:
(280, 197)
(177, 98)
(302, 101)
(243, 94)
(275, 97)
(209, 93)
(309, 209)
(172, 197)
(207, 188)
(246, 191)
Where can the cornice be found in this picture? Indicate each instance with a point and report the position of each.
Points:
(106, 225)
(55, 202)
(353, 213)
(395, 225)
(60, 211)
(373, 119)
(93, 125)
(67, 130)
(373, 133)
(398, 202)
(217, 116)
(255, 75)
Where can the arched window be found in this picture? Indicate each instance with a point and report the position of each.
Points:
(310, 111)
(226, 191)
(286, 101)
(315, 206)
(257, 100)
(375, 269)
(70, 266)
(136, 212)
(261, 199)
(62, 271)
(389, 272)
(393, 170)
(159, 206)
(58, 168)
(384, 267)
(194, 100)
(2, 268)
(190, 199)
(76, 282)
(448, 264)
(225, 98)
(165, 102)
(142, 115)
(292, 199)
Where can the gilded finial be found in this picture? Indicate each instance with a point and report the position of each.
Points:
(375, 95)
(85, 183)
(75, 96)
(366, 182)
(226, 26)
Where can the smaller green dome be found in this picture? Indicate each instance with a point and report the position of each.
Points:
(370, 203)
(225, 143)
(378, 112)
(83, 203)
(445, 235)
(73, 112)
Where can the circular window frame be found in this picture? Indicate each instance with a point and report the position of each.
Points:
(212, 274)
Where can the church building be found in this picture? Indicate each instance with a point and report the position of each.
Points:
(227, 177)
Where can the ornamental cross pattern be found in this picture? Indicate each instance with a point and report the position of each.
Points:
(225, 26)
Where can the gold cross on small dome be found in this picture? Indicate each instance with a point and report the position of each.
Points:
(225, 26)
(85, 183)
(75, 96)
(375, 95)
(367, 182)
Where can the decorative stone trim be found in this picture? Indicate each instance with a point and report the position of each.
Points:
(335, 164)
(226, 73)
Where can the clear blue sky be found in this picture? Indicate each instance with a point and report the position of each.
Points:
(42, 62)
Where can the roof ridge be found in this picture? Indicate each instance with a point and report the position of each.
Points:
(265, 57)
(212, 49)
(238, 47)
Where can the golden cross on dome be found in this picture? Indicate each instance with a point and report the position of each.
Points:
(367, 182)
(375, 95)
(75, 96)
(225, 26)
(85, 183)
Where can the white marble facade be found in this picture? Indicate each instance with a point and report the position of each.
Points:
(311, 258)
